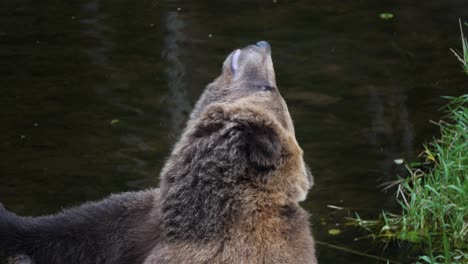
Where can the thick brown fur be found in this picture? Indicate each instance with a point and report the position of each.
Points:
(229, 192)
(232, 185)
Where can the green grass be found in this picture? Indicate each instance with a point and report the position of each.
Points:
(462, 56)
(434, 198)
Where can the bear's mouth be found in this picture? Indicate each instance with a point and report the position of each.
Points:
(261, 47)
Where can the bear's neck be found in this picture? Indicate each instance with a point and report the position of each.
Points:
(199, 207)
(207, 207)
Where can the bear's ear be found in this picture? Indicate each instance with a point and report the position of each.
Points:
(211, 121)
(262, 146)
(246, 133)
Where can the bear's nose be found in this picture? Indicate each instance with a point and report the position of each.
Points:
(264, 45)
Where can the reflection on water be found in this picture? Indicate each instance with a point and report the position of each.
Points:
(391, 129)
(360, 89)
(175, 72)
(94, 28)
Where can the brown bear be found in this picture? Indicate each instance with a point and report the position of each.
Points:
(229, 192)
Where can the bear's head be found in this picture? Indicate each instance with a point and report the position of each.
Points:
(239, 147)
(247, 73)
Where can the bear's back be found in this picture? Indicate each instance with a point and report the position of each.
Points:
(284, 239)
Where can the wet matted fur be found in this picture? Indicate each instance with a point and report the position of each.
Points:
(229, 192)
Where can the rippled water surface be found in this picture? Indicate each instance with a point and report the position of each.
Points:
(94, 93)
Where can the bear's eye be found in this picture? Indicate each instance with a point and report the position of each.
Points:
(265, 87)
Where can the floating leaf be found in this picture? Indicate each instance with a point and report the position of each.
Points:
(334, 231)
(386, 16)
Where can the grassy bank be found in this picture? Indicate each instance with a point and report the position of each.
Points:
(434, 197)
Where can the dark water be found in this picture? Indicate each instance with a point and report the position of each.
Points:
(94, 93)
